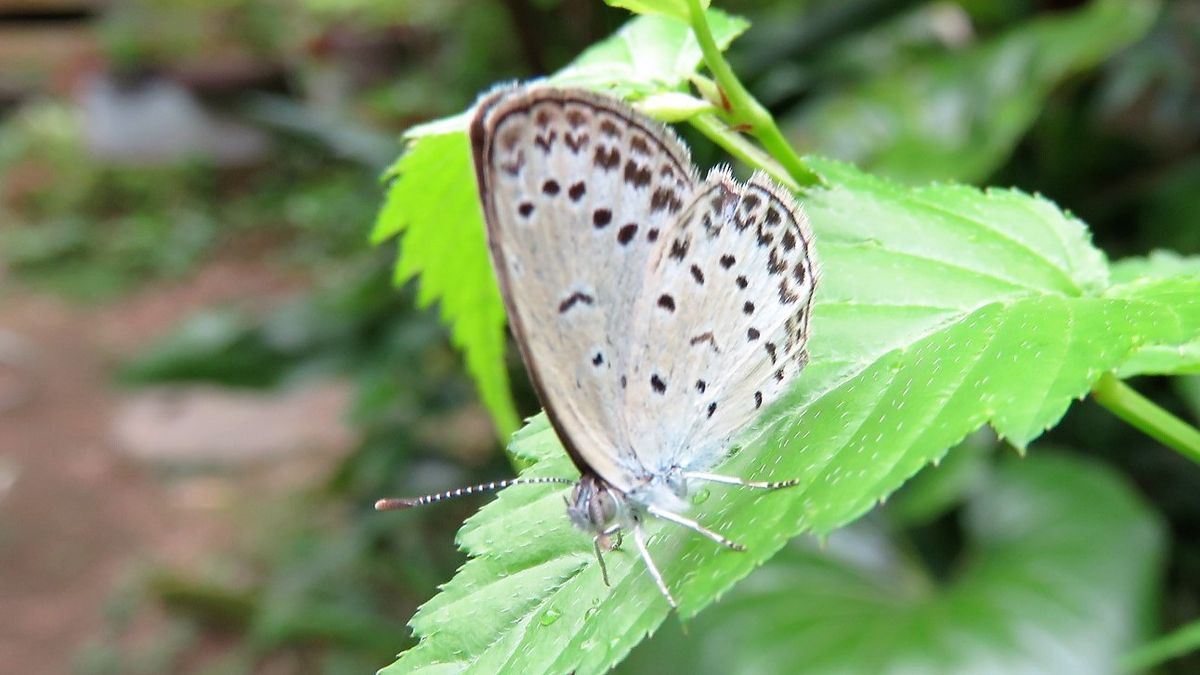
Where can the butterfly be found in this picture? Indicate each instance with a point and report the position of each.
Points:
(656, 312)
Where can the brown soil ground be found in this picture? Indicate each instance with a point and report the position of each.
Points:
(77, 517)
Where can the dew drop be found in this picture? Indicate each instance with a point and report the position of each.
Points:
(550, 616)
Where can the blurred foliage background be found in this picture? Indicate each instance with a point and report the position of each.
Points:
(159, 149)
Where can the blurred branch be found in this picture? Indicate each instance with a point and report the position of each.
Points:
(370, 148)
(1170, 646)
(1144, 414)
(525, 22)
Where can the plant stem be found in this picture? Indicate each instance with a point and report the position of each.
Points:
(1122, 401)
(1178, 643)
(737, 145)
(743, 108)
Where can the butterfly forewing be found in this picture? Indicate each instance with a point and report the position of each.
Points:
(721, 323)
(578, 193)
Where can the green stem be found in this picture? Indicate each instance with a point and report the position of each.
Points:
(1182, 641)
(737, 145)
(1122, 401)
(744, 109)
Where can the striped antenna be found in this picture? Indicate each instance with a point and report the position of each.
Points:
(409, 502)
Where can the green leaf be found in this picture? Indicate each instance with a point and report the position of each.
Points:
(1059, 569)
(431, 202)
(650, 54)
(1160, 270)
(676, 9)
(959, 115)
(941, 309)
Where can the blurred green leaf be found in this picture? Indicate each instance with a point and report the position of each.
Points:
(942, 309)
(1061, 562)
(676, 9)
(431, 207)
(941, 486)
(958, 116)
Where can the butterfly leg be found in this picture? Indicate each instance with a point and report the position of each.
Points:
(639, 538)
(600, 559)
(695, 527)
(734, 480)
(601, 541)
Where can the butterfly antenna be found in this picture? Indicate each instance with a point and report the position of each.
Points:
(409, 502)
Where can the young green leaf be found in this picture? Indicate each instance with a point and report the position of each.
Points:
(1059, 568)
(942, 309)
(676, 9)
(959, 115)
(433, 205)
(650, 54)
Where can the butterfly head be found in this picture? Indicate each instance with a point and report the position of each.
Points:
(594, 504)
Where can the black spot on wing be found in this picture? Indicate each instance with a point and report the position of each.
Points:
(577, 191)
(789, 241)
(601, 218)
(606, 158)
(546, 141)
(679, 249)
(705, 337)
(576, 142)
(665, 198)
(627, 232)
(798, 272)
(666, 302)
(657, 384)
(575, 298)
(786, 295)
(637, 175)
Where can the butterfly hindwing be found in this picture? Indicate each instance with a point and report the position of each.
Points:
(721, 324)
